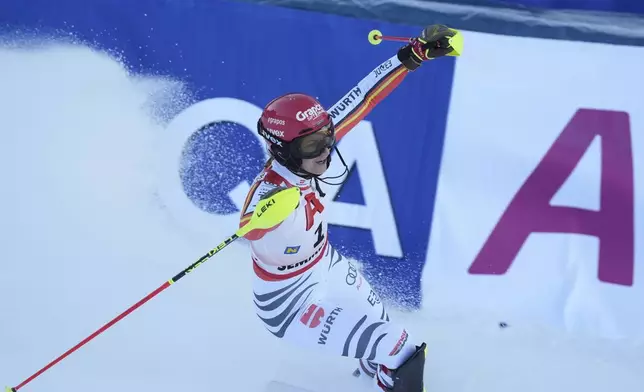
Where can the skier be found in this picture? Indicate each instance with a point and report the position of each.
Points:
(304, 290)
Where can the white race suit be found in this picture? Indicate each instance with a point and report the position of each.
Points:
(306, 291)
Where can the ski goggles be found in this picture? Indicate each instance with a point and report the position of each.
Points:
(314, 144)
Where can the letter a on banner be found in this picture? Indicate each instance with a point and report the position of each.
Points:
(530, 210)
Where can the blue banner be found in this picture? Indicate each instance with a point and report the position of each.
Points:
(629, 6)
(573, 20)
(254, 53)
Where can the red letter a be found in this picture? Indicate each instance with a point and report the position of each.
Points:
(530, 210)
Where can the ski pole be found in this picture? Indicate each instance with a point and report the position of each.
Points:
(375, 37)
(268, 213)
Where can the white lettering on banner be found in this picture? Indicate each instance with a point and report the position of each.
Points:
(359, 147)
(309, 114)
(179, 130)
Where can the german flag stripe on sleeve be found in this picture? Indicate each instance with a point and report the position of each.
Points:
(362, 98)
(249, 198)
(245, 219)
(262, 184)
(370, 101)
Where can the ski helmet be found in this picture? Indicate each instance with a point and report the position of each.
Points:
(296, 127)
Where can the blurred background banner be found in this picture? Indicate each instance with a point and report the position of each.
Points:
(626, 6)
(234, 58)
(610, 21)
(446, 171)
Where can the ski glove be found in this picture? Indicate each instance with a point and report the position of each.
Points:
(432, 43)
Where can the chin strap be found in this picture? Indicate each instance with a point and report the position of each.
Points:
(317, 186)
(316, 179)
